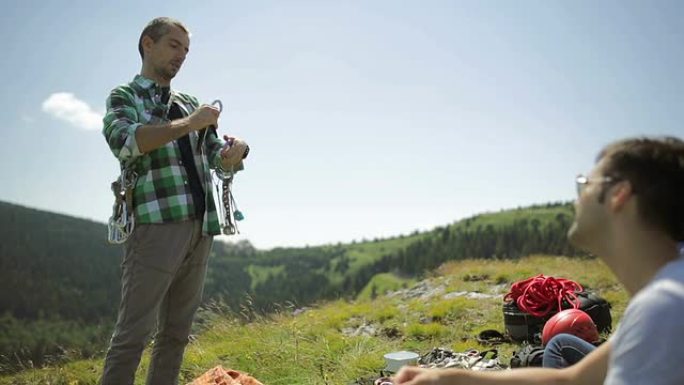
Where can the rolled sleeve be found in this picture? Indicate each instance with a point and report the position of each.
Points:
(120, 124)
(213, 147)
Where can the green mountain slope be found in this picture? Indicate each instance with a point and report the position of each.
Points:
(341, 341)
(57, 271)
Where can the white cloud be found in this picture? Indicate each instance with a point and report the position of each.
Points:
(65, 106)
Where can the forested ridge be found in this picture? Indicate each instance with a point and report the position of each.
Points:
(59, 279)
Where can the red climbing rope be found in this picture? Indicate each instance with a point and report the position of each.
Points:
(541, 295)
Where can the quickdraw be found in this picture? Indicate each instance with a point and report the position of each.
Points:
(227, 206)
(122, 221)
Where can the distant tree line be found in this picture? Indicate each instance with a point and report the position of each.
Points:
(541, 229)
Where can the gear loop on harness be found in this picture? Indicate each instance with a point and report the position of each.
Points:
(122, 221)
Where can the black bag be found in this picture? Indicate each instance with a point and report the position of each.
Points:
(529, 355)
(524, 327)
(521, 326)
(597, 308)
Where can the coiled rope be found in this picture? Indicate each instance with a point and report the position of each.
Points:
(541, 295)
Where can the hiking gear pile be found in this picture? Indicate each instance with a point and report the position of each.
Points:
(470, 360)
(531, 302)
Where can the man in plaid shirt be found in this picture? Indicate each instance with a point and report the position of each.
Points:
(162, 136)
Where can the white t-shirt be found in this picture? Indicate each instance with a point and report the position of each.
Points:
(648, 346)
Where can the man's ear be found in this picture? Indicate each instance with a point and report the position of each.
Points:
(147, 43)
(620, 194)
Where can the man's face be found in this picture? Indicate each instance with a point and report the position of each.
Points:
(591, 215)
(167, 54)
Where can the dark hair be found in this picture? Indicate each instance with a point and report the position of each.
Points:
(157, 28)
(655, 169)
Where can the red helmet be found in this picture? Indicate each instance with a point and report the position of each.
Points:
(571, 321)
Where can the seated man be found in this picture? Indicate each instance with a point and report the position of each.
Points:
(629, 212)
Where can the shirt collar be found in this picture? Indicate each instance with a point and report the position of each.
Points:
(144, 83)
(152, 88)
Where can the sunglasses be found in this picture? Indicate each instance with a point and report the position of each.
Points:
(582, 181)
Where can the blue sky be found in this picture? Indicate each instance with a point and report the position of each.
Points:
(365, 118)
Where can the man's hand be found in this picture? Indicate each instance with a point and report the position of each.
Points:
(412, 375)
(233, 152)
(204, 116)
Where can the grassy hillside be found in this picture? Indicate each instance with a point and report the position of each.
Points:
(59, 279)
(323, 345)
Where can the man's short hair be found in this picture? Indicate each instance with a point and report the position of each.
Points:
(655, 169)
(157, 28)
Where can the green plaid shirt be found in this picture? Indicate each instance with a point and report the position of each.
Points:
(162, 192)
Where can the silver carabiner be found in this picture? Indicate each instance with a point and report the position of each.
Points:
(220, 105)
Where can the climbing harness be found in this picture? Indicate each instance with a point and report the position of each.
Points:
(122, 221)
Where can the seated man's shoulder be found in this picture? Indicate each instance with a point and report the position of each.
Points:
(668, 286)
(657, 311)
(642, 349)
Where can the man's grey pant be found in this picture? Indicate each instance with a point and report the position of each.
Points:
(163, 274)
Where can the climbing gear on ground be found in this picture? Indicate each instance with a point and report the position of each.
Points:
(570, 321)
(470, 359)
(383, 381)
(122, 221)
(531, 302)
(528, 355)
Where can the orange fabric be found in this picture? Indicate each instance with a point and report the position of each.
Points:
(221, 376)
